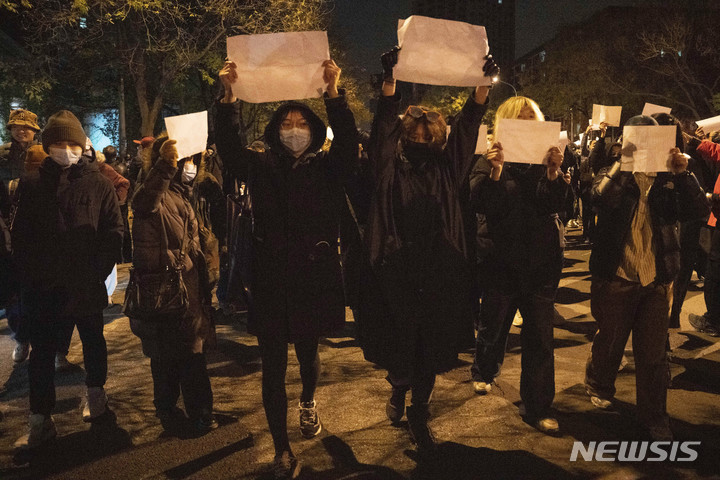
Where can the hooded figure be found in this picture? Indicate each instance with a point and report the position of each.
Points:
(297, 289)
(297, 199)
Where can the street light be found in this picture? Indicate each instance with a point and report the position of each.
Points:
(497, 80)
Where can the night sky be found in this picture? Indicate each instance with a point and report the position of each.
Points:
(369, 26)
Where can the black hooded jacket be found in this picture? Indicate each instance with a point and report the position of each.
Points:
(297, 202)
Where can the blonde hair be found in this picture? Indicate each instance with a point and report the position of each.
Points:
(512, 107)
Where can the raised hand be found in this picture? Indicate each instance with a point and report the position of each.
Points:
(496, 159)
(331, 76)
(603, 129)
(228, 76)
(553, 159)
(389, 59)
(490, 69)
(678, 161)
(168, 152)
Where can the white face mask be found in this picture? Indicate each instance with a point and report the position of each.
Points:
(297, 140)
(189, 172)
(64, 157)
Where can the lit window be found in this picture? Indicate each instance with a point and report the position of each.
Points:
(83, 22)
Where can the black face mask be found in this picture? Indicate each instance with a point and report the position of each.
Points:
(417, 152)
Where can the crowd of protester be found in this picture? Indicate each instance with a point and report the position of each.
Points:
(435, 240)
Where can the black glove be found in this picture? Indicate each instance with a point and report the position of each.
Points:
(490, 69)
(389, 59)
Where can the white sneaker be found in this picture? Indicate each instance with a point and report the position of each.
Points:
(61, 362)
(96, 403)
(21, 351)
(41, 430)
(547, 425)
(481, 388)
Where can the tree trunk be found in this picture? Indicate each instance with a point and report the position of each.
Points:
(122, 147)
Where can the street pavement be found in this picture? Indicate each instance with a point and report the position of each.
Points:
(481, 436)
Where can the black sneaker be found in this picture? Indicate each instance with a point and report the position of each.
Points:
(205, 423)
(171, 419)
(395, 407)
(310, 424)
(702, 324)
(286, 466)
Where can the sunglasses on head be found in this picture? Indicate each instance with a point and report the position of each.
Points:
(418, 112)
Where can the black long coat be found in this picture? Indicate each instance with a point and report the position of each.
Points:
(297, 289)
(66, 238)
(417, 296)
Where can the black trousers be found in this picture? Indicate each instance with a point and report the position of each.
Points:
(187, 374)
(274, 354)
(44, 334)
(533, 293)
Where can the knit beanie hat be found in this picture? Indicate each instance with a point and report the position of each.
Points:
(63, 126)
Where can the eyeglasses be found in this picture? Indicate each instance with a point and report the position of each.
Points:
(418, 112)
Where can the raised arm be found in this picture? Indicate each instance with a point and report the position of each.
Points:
(343, 151)
(147, 198)
(461, 143)
(229, 130)
(385, 131)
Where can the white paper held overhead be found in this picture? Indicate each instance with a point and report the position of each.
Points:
(646, 148)
(527, 141)
(607, 114)
(190, 131)
(651, 108)
(709, 124)
(441, 52)
(273, 67)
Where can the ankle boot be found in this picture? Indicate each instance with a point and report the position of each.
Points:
(395, 407)
(420, 432)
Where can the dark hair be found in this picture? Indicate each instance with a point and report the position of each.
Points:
(110, 153)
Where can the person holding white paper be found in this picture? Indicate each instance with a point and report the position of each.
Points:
(415, 310)
(635, 258)
(166, 235)
(521, 203)
(297, 199)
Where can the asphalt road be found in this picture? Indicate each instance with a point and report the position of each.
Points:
(482, 436)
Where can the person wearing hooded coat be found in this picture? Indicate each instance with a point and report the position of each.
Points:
(297, 199)
(634, 260)
(415, 303)
(66, 238)
(175, 347)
